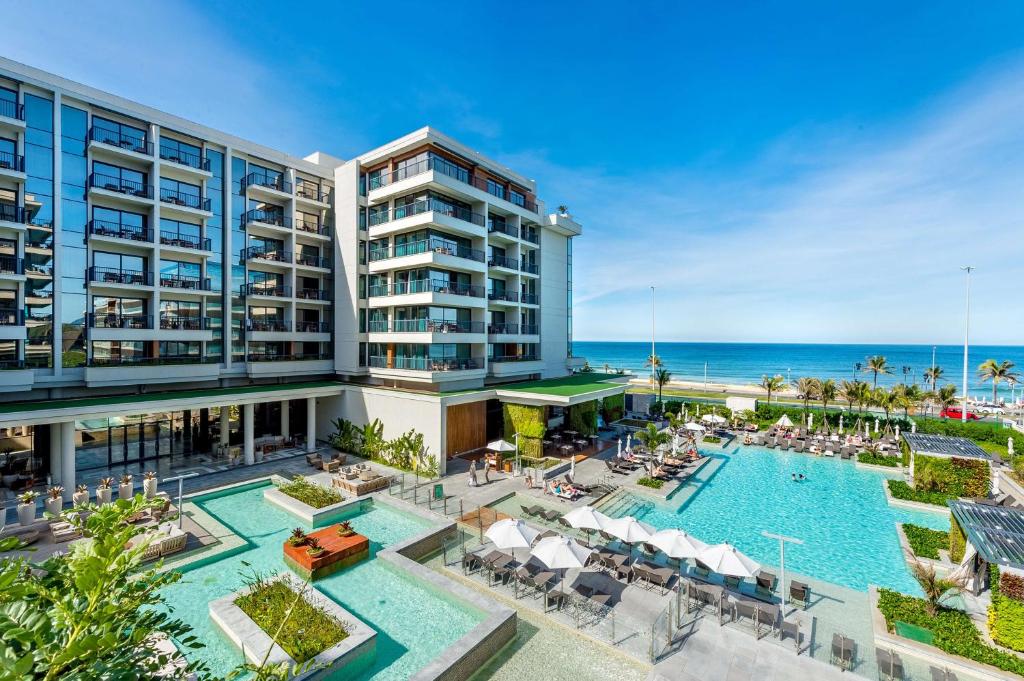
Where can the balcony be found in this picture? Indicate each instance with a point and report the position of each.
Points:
(185, 159)
(310, 192)
(515, 365)
(503, 296)
(313, 294)
(530, 299)
(502, 228)
(184, 282)
(120, 141)
(188, 241)
(435, 326)
(502, 329)
(436, 206)
(503, 261)
(266, 254)
(110, 275)
(529, 267)
(272, 218)
(12, 325)
(116, 230)
(116, 185)
(310, 227)
(426, 286)
(433, 244)
(261, 289)
(448, 169)
(312, 327)
(133, 370)
(513, 358)
(184, 200)
(526, 235)
(100, 320)
(177, 323)
(13, 112)
(12, 214)
(268, 325)
(136, 360)
(12, 164)
(312, 261)
(12, 317)
(286, 357)
(261, 181)
(426, 363)
(529, 329)
(12, 265)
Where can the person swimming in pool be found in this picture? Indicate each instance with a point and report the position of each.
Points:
(802, 478)
(794, 477)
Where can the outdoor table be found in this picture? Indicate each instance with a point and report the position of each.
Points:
(566, 449)
(571, 432)
(557, 597)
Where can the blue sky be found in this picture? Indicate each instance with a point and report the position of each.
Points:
(780, 171)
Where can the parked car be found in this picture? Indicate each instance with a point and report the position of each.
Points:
(957, 413)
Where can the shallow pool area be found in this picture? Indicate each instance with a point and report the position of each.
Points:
(839, 511)
(414, 622)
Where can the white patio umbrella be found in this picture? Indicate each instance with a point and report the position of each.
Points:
(629, 442)
(913, 426)
(511, 533)
(501, 446)
(693, 426)
(876, 425)
(726, 560)
(618, 452)
(713, 418)
(561, 553)
(810, 421)
(784, 422)
(587, 518)
(840, 424)
(677, 544)
(897, 432)
(629, 530)
(675, 443)
(1009, 446)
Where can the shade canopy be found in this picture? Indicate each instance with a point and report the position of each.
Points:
(501, 446)
(693, 426)
(726, 560)
(629, 529)
(784, 422)
(587, 518)
(677, 544)
(560, 553)
(712, 418)
(511, 533)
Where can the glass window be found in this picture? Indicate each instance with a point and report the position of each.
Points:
(119, 134)
(181, 152)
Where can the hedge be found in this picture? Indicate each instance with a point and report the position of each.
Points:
(878, 459)
(924, 541)
(582, 418)
(1006, 614)
(531, 424)
(901, 490)
(957, 541)
(955, 476)
(613, 407)
(954, 631)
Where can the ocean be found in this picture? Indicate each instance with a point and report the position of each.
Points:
(744, 363)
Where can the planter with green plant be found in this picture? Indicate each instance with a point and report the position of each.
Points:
(27, 508)
(103, 490)
(54, 500)
(149, 484)
(124, 490)
(345, 529)
(298, 537)
(81, 495)
(653, 483)
(313, 547)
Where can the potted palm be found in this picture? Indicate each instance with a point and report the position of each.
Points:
(345, 529)
(314, 549)
(27, 507)
(54, 500)
(81, 495)
(149, 483)
(298, 537)
(124, 490)
(103, 490)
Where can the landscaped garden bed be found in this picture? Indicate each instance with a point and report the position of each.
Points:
(310, 493)
(878, 459)
(324, 552)
(650, 482)
(924, 541)
(901, 490)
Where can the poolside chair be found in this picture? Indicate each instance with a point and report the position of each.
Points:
(550, 516)
(787, 628)
(314, 460)
(765, 584)
(588, 489)
(174, 543)
(744, 609)
(842, 652)
(799, 445)
(799, 593)
(531, 510)
(607, 537)
(565, 523)
(784, 444)
(767, 615)
(890, 666)
(615, 468)
(470, 562)
(701, 571)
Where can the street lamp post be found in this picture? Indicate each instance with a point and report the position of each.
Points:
(782, 560)
(652, 336)
(181, 484)
(967, 335)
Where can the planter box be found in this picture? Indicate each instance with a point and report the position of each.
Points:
(339, 552)
(355, 653)
(149, 487)
(124, 491)
(54, 506)
(103, 495)
(26, 514)
(305, 512)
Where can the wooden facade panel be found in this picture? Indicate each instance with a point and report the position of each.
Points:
(466, 426)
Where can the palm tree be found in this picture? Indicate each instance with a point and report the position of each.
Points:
(772, 384)
(827, 392)
(807, 388)
(946, 396)
(913, 395)
(933, 374)
(991, 370)
(877, 365)
(864, 395)
(661, 377)
(848, 392)
(934, 587)
(886, 399)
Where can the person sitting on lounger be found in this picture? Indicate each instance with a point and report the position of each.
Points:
(559, 491)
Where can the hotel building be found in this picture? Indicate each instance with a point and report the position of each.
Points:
(172, 296)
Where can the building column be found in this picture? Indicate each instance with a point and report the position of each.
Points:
(310, 424)
(249, 428)
(55, 454)
(67, 458)
(225, 425)
(284, 419)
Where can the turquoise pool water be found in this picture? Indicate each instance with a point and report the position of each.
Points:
(414, 623)
(839, 511)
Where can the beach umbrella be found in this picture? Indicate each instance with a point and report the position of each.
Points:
(561, 553)
(629, 442)
(784, 422)
(913, 426)
(897, 432)
(726, 560)
(675, 443)
(586, 518)
(876, 425)
(501, 446)
(840, 424)
(713, 418)
(867, 430)
(693, 426)
(618, 451)
(629, 530)
(511, 533)
(677, 544)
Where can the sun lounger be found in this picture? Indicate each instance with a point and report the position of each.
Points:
(799, 593)
(842, 651)
(799, 445)
(580, 486)
(152, 551)
(745, 610)
(615, 468)
(784, 444)
(890, 666)
(701, 571)
(732, 582)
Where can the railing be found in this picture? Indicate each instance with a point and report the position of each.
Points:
(529, 267)
(437, 206)
(501, 228)
(526, 235)
(11, 213)
(182, 199)
(111, 275)
(379, 217)
(434, 244)
(119, 231)
(313, 294)
(11, 264)
(529, 299)
(257, 289)
(426, 286)
(503, 328)
(100, 320)
(184, 281)
(286, 357)
(12, 318)
(306, 190)
(312, 261)
(513, 358)
(185, 241)
(510, 296)
(268, 325)
(266, 217)
(311, 226)
(312, 327)
(9, 109)
(185, 158)
(260, 180)
(529, 330)
(132, 360)
(121, 140)
(435, 326)
(11, 364)
(121, 186)
(449, 169)
(426, 363)
(503, 261)
(11, 161)
(177, 323)
(264, 253)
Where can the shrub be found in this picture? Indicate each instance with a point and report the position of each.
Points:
(583, 418)
(957, 542)
(878, 459)
(901, 490)
(956, 477)
(650, 482)
(1006, 612)
(712, 439)
(309, 630)
(1012, 586)
(924, 541)
(531, 424)
(613, 407)
(310, 493)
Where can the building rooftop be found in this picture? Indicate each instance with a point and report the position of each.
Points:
(943, 445)
(997, 532)
(566, 386)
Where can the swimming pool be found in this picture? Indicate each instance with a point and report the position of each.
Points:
(839, 511)
(414, 623)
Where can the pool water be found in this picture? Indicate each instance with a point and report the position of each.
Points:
(839, 511)
(414, 623)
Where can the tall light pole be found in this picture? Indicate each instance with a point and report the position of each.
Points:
(782, 561)
(652, 335)
(967, 336)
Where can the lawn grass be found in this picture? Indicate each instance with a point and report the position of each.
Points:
(566, 386)
(995, 448)
(308, 631)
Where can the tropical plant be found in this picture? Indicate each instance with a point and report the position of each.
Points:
(298, 537)
(772, 385)
(313, 547)
(653, 362)
(82, 489)
(946, 396)
(932, 375)
(807, 388)
(652, 438)
(886, 400)
(105, 483)
(346, 437)
(372, 439)
(126, 479)
(933, 586)
(149, 475)
(28, 497)
(662, 377)
(55, 492)
(563, 209)
(827, 392)
(997, 372)
(848, 392)
(877, 365)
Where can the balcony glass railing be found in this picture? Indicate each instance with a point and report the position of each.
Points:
(529, 267)
(528, 235)
(183, 199)
(312, 327)
(434, 326)
(313, 294)
(9, 109)
(185, 158)
(184, 281)
(454, 171)
(495, 227)
(120, 185)
(139, 360)
(307, 190)
(258, 289)
(508, 296)
(185, 241)
(111, 275)
(435, 244)
(11, 364)
(437, 206)
(265, 253)
(312, 261)
(513, 358)
(266, 217)
(102, 320)
(529, 298)
(269, 325)
(11, 213)
(119, 231)
(529, 330)
(122, 140)
(310, 226)
(503, 261)
(188, 323)
(269, 182)
(286, 357)
(426, 363)
(12, 317)
(11, 264)
(9, 161)
(503, 328)
(400, 288)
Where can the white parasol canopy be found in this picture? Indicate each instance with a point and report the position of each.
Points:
(629, 529)
(713, 418)
(629, 442)
(726, 560)
(693, 426)
(587, 518)
(511, 533)
(501, 446)
(784, 422)
(560, 553)
(677, 544)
